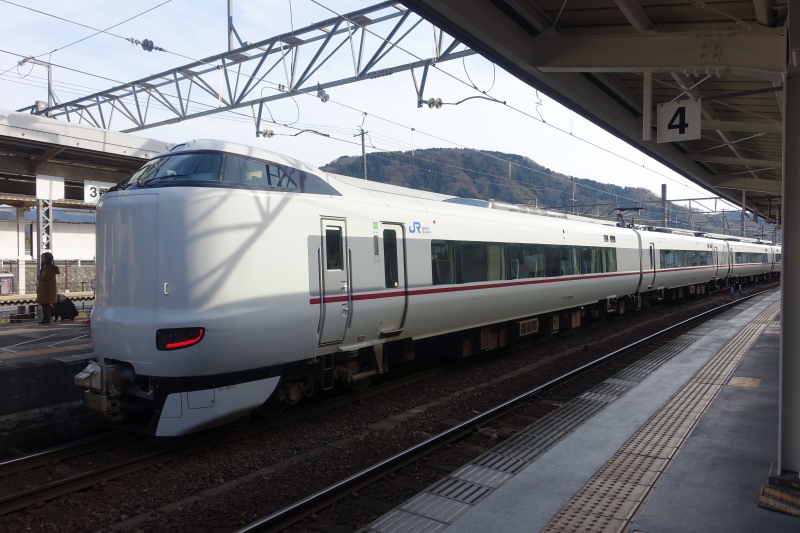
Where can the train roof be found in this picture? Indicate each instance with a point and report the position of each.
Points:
(386, 188)
(353, 187)
(372, 188)
(239, 149)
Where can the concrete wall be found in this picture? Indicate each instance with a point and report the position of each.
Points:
(69, 241)
(73, 246)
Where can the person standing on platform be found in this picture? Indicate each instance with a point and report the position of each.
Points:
(46, 293)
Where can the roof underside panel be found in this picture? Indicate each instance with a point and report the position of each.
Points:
(593, 55)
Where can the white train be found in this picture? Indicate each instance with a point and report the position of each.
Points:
(228, 276)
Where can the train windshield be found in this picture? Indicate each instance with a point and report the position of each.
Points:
(181, 167)
(217, 169)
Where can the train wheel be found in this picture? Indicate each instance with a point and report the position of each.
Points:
(271, 408)
(359, 386)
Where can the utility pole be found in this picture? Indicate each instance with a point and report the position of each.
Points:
(363, 150)
(664, 205)
(744, 211)
(51, 96)
(574, 209)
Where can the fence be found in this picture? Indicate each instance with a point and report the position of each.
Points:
(74, 276)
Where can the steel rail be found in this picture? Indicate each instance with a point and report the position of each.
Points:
(297, 511)
(20, 500)
(61, 452)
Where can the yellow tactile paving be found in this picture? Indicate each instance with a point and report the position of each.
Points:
(573, 521)
(623, 483)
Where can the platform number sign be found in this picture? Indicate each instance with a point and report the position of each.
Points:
(679, 121)
(93, 190)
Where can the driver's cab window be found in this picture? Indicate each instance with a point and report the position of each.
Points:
(253, 173)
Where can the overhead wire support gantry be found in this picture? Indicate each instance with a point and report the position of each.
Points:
(228, 81)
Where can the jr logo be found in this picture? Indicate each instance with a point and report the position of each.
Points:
(416, 227)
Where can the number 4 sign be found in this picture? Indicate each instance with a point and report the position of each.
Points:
(679, 121)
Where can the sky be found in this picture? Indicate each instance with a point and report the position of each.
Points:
(530, 124)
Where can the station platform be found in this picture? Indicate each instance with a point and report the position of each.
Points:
(37, 363)
(682, 441)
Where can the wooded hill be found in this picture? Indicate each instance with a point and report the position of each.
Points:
(488, 175)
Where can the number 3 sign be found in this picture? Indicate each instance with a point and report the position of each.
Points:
(679, 121)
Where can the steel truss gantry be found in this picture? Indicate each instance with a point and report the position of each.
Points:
(229, 80)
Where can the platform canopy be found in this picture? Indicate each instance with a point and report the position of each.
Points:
(615, 61)
(32, 145)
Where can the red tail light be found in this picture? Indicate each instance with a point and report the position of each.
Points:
(177, 338)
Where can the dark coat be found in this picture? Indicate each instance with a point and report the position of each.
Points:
(46, 291)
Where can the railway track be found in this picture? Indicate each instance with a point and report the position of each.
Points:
(59, 453)
(332, 494)
(179, 448)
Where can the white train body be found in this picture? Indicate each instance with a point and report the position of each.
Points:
(215, 293)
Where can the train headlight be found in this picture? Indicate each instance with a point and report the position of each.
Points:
(177, 338)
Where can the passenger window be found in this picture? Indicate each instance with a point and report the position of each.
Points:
(590, 260)
(496, 268)
(333, 248)
(482, 261)
(442, 265)
(390, 258)
(473, 262)
(552, 261)
(527, 261)
(609, 259)
(569, 261)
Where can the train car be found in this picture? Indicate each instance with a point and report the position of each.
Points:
(231, 279)
(682, 261)
(751, 259)
(775, 260)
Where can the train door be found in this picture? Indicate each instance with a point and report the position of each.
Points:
(652, 264)
(715, 252)
(336, 295)
(392, 252)
(730, 260)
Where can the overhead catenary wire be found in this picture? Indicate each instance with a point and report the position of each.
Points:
(380, 37)
(345, 105)
(364, 28)
(441, 69)
(97, 31)
(373, 33)
(399, 143)
(451, 76)
(237, 117)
